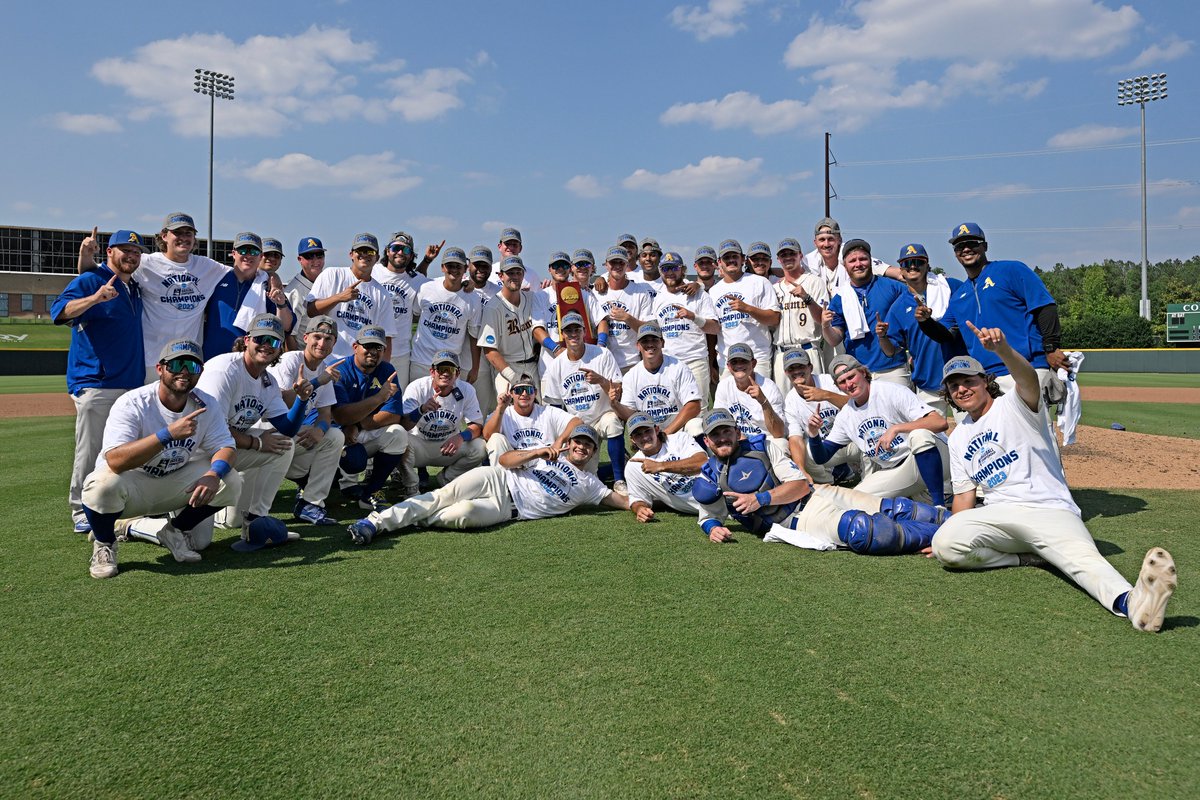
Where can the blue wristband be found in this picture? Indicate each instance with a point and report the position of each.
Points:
(763, 498)
(708, 526)
(221, 467)
(164, 437)
(549, 343)
(602, 339)
(323, 425)
(467, 435)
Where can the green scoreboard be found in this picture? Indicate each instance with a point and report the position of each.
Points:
(1183, 322)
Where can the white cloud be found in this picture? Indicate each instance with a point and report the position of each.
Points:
(718, 20)
(714, 176)
(275, 89)
(370, 177)
(481, 59)
(21, 206)
(428, 95)
(1091, 135)
(86, 124)
(743, 110)
(1169, 186)
(588, 186)
(434, 224)
(1188, 215)
(1169, 50)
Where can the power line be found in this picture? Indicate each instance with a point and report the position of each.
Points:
(1016, 154)
(1015, 190)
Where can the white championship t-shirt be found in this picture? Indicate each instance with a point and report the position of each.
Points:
(401, 287)
(550, 319)
(139, 413)
(455, 410)
(290, 367)
(543, 425)
(542, 489)
(174, 297)
(661, 394)
(637, 300)
(566, 383)
(682, 338)
(1008, 454)
(738, 326)
(678, 446)
(797, 410)
(447, 318)
(889, 404)
(745, 409)
(373, 306)
(243, 399)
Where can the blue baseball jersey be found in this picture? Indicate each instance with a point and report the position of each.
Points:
(928, 357)
(875, 298)
(106, 340)
(1004, 296)
(354, 385)
(223, 304)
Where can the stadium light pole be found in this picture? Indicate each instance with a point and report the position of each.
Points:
(1141, 90)
(215, 85)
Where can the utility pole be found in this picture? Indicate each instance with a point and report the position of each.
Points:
(830, 192)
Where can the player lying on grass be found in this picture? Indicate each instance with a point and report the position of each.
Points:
(528, 484)
(1003, 447)
(756, 482)
(664, 469)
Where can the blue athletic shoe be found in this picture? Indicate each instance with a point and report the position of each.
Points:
(312, 514)
(362, 532)
(83, 526)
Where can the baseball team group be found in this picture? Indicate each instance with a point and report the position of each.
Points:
(827, 399)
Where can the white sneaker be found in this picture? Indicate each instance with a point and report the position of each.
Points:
(104, 560)
(174, 541)
(1156, 583)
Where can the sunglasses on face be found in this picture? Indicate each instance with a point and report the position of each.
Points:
(522, 390)
(399, 248)
(559, 265)
(267, 341)
(312, 256)
(446, 369)
(249, 251)
(372, 348)
(913, 263)
(669, 267)
(366, 253)
(968, 245)
(178, 365)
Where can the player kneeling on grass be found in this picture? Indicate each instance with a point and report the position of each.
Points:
(664, 469)
(528, 484)
(900, 437)
(164, 451)
(1003, 447)
(756, 482)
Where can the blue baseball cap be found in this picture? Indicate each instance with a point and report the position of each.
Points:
(266, 325)
(718, 418)
(510, 235)
(247, 239)
(583, 256)
(365, 240)
(671, 259)
(309, 244)
(512, 262)
(967, 230)
(616, 253)
(481, 253)
(264, 532)
(178, 220)
(272, 246)
(354, 459)
(911, 251)
(759, 248)
(454, 255)
(730, 246)
(704, 251)
(788, 244)
(559, 257)
(127, 237)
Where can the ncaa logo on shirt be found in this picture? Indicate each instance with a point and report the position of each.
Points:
(490, 339)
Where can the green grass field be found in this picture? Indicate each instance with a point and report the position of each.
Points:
(580, 657)
(1174, 380)
(34, 336)
(32, 384)
(1163, 419)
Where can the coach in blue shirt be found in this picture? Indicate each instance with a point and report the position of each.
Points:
(104, 310)
(999, 294)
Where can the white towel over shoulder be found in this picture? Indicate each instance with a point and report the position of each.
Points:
(852, 312)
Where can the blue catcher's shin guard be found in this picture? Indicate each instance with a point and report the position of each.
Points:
(880, 535)
(902, 508)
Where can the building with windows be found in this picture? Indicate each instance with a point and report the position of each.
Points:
(36, 264)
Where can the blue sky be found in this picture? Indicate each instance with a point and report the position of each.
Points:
(690, 123)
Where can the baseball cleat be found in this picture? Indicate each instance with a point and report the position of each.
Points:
(174, 541)
(312, 514)
(104, 560)
(1147, 602)
(620, 487)
(362, 532)
(374, 502)
(83, 526)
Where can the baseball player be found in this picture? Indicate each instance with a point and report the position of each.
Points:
(527, 484)
(659, 385)
(758, 261)
(354, 298)
(899, 330)
(244, 292)
(900, 436)
(627, 304)
(826, 260)
(395, 274)
(856, 308)
(560, 273)
(755, 401)
(802, 297)
(450, 318)
(812, 394)
(478, 271)
(747, 307)
(104, 310)
(579, 382)
(663, 470)
(310, 254)
(687, 319)
(520, 423)
(441, 414)
(1072, 405)
(366, 391)
(163, 451)
(705, 265)
(513, 322)
(318, 444)
(754, 481)
(1003, 447)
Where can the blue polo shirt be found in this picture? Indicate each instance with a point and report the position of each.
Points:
(354, 385)
(1003, 296)
(106, 340)
(875, 298)
(223, 304)
(928, 357)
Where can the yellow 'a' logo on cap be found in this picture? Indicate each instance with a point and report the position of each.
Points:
(375, 384)
(133, 237)
(963, 228)
(312, 242)
(911, 251)
(988, 283)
